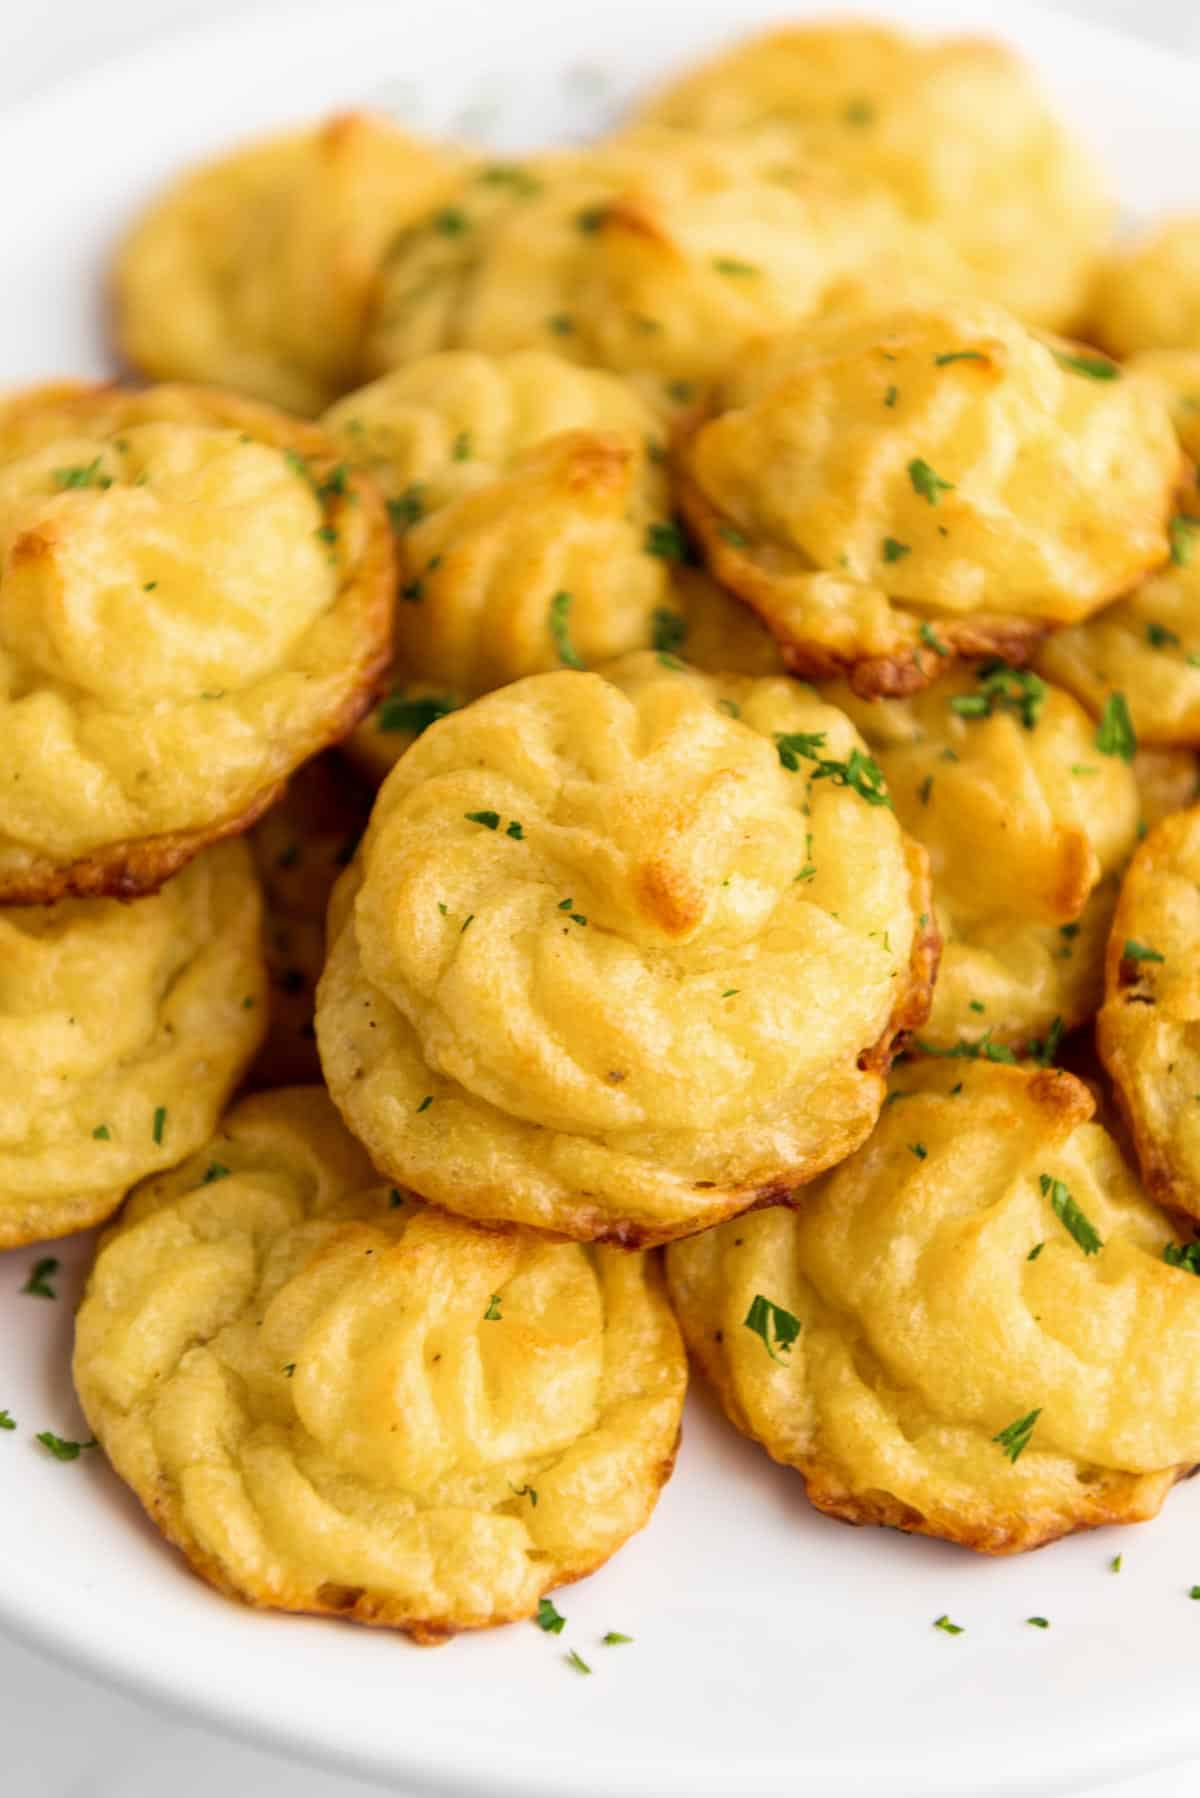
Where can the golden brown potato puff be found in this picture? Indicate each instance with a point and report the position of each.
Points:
(976, 1328)
(334, 1399)
(619, 957)
(254, 271)
(123, 1030)
(196, 597)
(891, 492)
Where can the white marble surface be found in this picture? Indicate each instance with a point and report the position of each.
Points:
(62, 1736)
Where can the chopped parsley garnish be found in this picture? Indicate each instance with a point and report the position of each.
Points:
(919, 1150)
(1035, 1251)
(529, 1492)
(1044, 1050)
(426, 1102)
(729, 265)
(612, 1637)
(891, 396)
(7, 1421)
(958, 356)
(769, 1320)
(1014, 1437)
(731, 992)
(1114, 1566)
(416, 715)
(731, 708)
(859, 113)
(40, 1275)
(861, 772)
(592, 219)
(451, 221)
(576, 1660)
(1070, 1216)
(983, 1049)
(925, 789)
(561, 323)
(216, 1170)
(894, 550)
(462, 447)
(666, 540)
(1097, 368)
(931, 640)
(325, 533)
(149, 586)
(681, 391)
(729, 533)
(549, 1619)
(1039, 1622)
(489, 820)
(289, 1369)
(469, 919)
(560, 630)
(1180, 532)
(408, 509)
(925, 482)
(1115, 734)
(1159, 637)
(1002, 688)
(947, 1628)
(492, 1314)
(515, 831)
(102, 1133)
(89, 476)
(794, 744)
(1183, 1254)
(1135, 951)
(61, 1449)
(668, 630)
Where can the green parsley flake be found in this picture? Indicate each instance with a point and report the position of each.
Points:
(489, 820)
(859, 113)
(926, 483)
(1002, 688)
(767, 1319)
(1114, 1566)
(1195, 1592)
(216, 1170)
(1014, 1437)
(982, 1049)
(731, 708)
(861, 772)
(560, 617)
(451, 221)
(1181, 532)
(894, 550)
(1115, 734)
(426, 1102)
(7, 1421)
(289, 1369)
(958, 356)
(611, 1638)
(1135, 951)
(931, 640)
(729, 533)
(666, 540)
(947, 1628)
(415, 715)
(1096, 368)
(592, 219)
(83, 477)
(102, 1133)
(515, 831)
(549, 1619)
(561, 323)
(529, 1492)
(462, 447)
(1035, 1251)
(576, 1660)
(408, 509)
(1039, 1622)
(919, 1150)
(890, 397)
(1070, 1216)
(1159, 637)
(729, 265)
(731, 992)
(925, 789)
(492, 1314)
(1184, 1255)
(668, 630)
(1044, 1050)
(60, 1448)
(40, 1275)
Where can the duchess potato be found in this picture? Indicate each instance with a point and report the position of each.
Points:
(333, 1399)
(254, 271)
(661, 256)
(954, 130)
(1148, 1031)
(300, 848)
(123, 1030)
(1168, 780)
(891, 491)
(621, 957)
(532, 519)
(195, 597)
(1026, 823)
(1147, 294)
(970, 1330)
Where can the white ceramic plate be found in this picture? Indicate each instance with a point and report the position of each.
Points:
(775, 1651)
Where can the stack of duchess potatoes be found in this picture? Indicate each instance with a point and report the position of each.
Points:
(644, 794)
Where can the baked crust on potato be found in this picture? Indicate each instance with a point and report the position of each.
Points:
(334, 1399)
(1148, 1032)
(620, 957)
(1027, 824)
(123, 1031)
(195, 597)
(987, 1343)
(890, 492)
(954, 130)
(254, 271)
